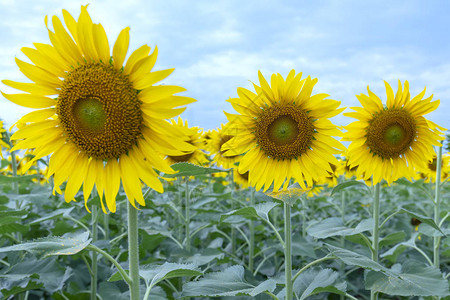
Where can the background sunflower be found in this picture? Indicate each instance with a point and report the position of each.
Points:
(389, 142)
(283, 132)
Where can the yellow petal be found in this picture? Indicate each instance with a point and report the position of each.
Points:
(147, 80)
(32, 88)
(29, 100)
(136, 56)
(121, 47)
(101, 43)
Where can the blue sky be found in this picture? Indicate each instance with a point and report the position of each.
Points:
(217, 46)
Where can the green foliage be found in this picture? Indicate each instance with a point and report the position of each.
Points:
(45, 242)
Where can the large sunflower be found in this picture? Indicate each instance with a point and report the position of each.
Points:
(389, 141)
(218, 139)
(194, 137)
(102, 120)
(283, 131)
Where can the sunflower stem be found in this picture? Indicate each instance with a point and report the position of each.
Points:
(94, 267)
(376, 234)
(133, 251)
(288, 251)
(187, 219)
(233, 230)
(251, 250)
(437, 208)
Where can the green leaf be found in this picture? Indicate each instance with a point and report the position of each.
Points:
(12, 216)
(334, 227)
(229, 282)
(46, 273)
(347, 184)
(355, 259)
(152, 274)
(188, 169)
(48, 246)
(395, 251)
(10, 179)
(392, 238)
(260, 210)
(317, 280)
(53, 214)
(423, 219)
(414, 279)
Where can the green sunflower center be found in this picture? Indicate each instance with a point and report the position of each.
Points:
(90, 113)
(99, 111)
(391, 133)
(284, 131)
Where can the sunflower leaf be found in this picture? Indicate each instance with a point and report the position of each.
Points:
(423, 219)
(260, 210)
(188, 169)
(229, 282)
(415, 279)
(66, 245)
(347, 184)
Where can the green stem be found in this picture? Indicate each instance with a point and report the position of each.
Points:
(303, 201)
(376, 234)
(112, 260)
(106, 225)
(251, 249)
(187, 219)
(94, 267)
(133, 251)
(287, 251)
(437, 207)
(233, 230)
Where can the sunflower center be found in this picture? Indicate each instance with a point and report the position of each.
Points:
(391, 133)
(90, 113)
(284, 131)
(100, 111)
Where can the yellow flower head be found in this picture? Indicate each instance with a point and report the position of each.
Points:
(429, 173)
(283, 131)
(193, 136)
(3, 144)
(389, 142)
(100, 118)
(241, 179)
(218, 138)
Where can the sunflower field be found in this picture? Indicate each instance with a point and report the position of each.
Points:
(107, 193)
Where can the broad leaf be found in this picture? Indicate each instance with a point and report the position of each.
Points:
(229, 282)
(188, 169)
(152, 274)
(414, 279)
(53, 214)
(318, 280)
(355, 259)
(65, 245)
(347, 184)
(260, 210)
(334, 227)
(423, 219)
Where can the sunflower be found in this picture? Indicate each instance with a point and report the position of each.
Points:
(3, 144)
(218, 139)
(429, 173)
(193, 136)
(240, 179)
(283, 131)
(102, 121)
(389, 142)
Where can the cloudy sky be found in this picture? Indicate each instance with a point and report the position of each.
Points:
(217, 46)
